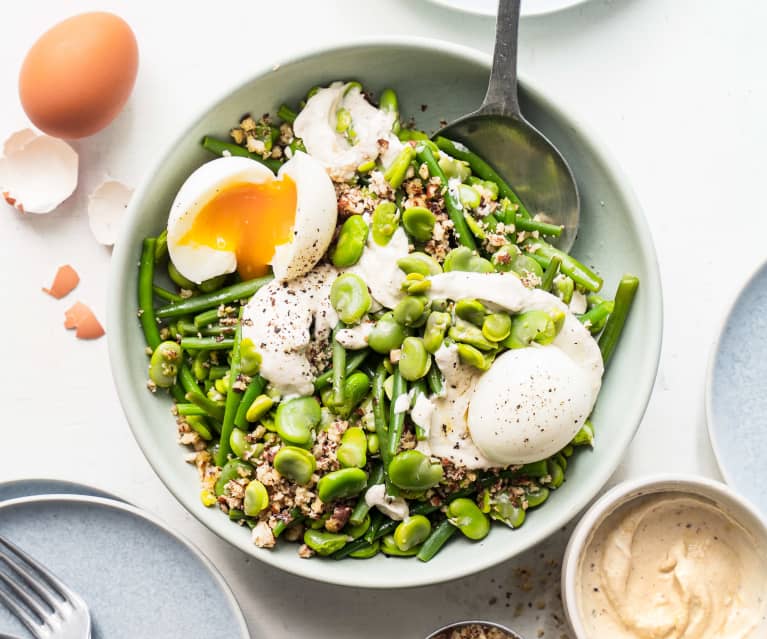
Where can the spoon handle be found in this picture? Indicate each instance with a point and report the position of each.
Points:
(501, 97)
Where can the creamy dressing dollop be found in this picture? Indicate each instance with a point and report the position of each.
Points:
(673, 566)
(288, 322)
(316, 126)
(378, 268)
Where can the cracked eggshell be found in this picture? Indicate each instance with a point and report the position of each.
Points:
(106, 208)
(37, 172)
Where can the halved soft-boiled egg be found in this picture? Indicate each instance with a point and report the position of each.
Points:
(233, 214)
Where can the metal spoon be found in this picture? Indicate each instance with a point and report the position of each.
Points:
(520, 153)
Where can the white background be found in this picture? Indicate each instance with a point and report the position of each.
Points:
(677, 90)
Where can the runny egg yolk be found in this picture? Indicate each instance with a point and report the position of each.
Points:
(249, 219)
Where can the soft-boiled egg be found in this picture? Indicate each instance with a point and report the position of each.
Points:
(233, 214)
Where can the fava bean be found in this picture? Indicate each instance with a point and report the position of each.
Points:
(178, 279)
(374, 444)
(419, 222)
(467, 333)
(387, 334)
(164, 364)
(490, 188)
(356, 387)
(465, 515)
(531, 326)
(389, 547)
(496, 327)
(524, 264)
(295, 420)
(412, 532)
(504, 508)
(412, 470)
(585, 436)
(250, 358)
(437, 325)
(418, 262)
(411, 310)
(536, 495)
(350, 298)
(261, 406)
(563, 287)
(367, 551)
(351, 242)
(233, 469)
(324, 543)
(452, 168)
(464, 259)
(296, 464)
(503, 258)
(474, 357)
(355, 532)
(213, 284)
(352, 453)
(469, 196)
(340, 484)
(556, 472)
(256, 498)
(415, 360)
(201, 366)
(384, 222)
(471, 310)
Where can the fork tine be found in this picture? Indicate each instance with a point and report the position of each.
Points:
(59, 586)
(36, 585)
(25, 597)
(22, 614)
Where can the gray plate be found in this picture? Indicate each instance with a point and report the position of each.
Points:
(736, 401)
(29, 487)
(139, 579)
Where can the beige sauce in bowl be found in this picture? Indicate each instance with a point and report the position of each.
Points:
(672, 566)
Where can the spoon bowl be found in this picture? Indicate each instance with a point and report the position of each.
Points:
(518, 152)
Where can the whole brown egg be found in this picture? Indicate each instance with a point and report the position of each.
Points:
(79, 74)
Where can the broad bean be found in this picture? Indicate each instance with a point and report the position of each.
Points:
(296, 419)
(412, 470)
(256, 498)
(352, 453)
(324, 543)
(497, 326)
(350, 298)
(340, 484)
(411, 310)
(351, 242)
(296, 464)
(164, 364)
(437, 325)
(419, 222)
(465, 515)
(418, 262)
(415, 360)
(463, 258)
(387, 334)
(471, 310)
(412, 532)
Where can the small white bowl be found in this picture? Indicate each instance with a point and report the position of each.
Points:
(735, 506)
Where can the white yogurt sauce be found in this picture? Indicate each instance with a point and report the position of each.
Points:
(394, 507)
(278, 319)
(316, 126)
(354, 338)
(378, 268)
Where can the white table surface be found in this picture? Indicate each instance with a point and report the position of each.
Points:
(675, 88)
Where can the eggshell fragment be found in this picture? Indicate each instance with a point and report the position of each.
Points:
(64, 283)
(38, 172)
(82, 318)
(106, 207)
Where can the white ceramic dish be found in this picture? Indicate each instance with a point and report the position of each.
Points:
(530, 8)
(613, 237)
(738, 508)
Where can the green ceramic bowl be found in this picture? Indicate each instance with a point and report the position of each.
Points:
(451, 80)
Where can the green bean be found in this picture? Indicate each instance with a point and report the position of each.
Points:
(296, 419)
(353, 547)
(350, 298)
(580, 273)
(376, 521)
(189, 329)
(408, 135)
(596, 317)
(419, 222)
(296, 464)
(389, 103)
(341, 484)
(217, 372)
(585, 436)
(286, 114)
(434, 379)
(211, 408)
(418, 262)
(396, 419)
(198, 424)
(381, 424)
(481, 169)
(564, 287)
(164, 364)
(145, 292)
(206, 318)
(352, 453)
(361, 509)
(233, 398)
(212, 284)
(397, 170)
(624, 297)
(415, 360)
(165, 294)
(324, 543)
(351, 242)
(206, 343)
(550, 273)
(465, 259)
(219, 147)
(454, 207)
(438, 538)
(534, 469)
(353, 362)
(199, 303)
(253, 390)
(178, 279)
(161, 246)
(339, 367)
(283, 524)
(524, 224)
(190, 410)
(412, 470)
(384, 222)
(412, 532)
(367, 551)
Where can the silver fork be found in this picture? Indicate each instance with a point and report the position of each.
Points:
(65, 614)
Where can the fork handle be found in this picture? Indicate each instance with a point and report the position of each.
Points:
(501, 97)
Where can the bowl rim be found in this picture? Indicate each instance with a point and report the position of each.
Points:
(369, 579)
(513, 634)
(623, 493)
(713, 356)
